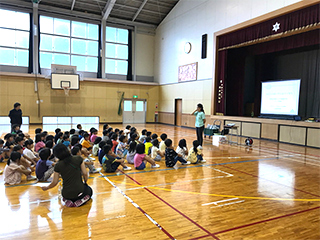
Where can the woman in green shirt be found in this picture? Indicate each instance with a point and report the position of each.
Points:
(75, 190)
(200, 121)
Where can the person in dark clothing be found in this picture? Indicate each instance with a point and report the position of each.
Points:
(15, 115)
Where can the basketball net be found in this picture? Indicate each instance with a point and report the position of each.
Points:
(66, 90)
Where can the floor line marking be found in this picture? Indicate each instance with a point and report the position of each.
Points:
(138, 207)
(226, 204)
(271, 181)
(245, 197)
(220, 195)
(168, 204)
(262, 221)
(216, 203)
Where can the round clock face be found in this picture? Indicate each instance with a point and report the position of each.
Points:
(187, 47)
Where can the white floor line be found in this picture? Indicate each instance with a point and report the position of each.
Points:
(226, 204)
(218, 170)
(216, 203)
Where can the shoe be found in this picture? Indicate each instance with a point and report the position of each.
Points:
(94, 171)
(31, 178)
(200, 147)
(91, 158)
(80, 202)
(187, 163)
(69, 203)
(155, 166)
(203, 161)
(127, 168)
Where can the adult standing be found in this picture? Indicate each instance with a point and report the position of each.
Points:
(75, 190)
(200, 121)
(15, 115)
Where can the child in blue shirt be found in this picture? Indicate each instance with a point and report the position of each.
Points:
(45, 167)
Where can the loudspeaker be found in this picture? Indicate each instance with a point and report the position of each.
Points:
(204, 46)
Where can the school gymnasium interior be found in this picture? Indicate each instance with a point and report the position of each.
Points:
(254, 65)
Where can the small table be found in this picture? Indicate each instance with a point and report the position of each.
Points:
(233, 130)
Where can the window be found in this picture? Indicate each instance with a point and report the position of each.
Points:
(66, 123)
(116, 51)
(68, 42)
(14, 40)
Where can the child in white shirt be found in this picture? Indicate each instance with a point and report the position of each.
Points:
(182, 149)
(156, 154)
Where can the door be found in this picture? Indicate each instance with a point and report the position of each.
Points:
(178, 112)
(134, 111)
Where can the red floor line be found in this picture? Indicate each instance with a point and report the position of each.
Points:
(262, 221)
(315, 195)
(138, 207)
(168, 204)
(307, 154)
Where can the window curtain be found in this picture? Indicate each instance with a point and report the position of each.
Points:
(303, 18)
(310, 86)
(220, 85)
(30, 65)
(129, 73)
(99, 70)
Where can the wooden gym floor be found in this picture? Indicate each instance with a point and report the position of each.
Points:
(268, 192)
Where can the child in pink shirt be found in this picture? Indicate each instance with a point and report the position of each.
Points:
(140, 159)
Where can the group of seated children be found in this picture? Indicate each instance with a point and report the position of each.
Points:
(112, 149)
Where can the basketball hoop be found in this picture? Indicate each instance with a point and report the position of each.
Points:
(66, 90)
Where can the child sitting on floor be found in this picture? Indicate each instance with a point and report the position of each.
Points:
(13, 169)
(66, 141)
(182, 149)
(16, 129)
(45, 167)
(29, 152)
(143, 135)
(156, 154)
(39, 142)
(94, 133)
(86, 143)
(121, 149)
(131, 152)
(148, 145)
(140, 159)
(77, 150)
(101, 152)
(171, 156)
(2, 154)
(110, 163)
(114, 138)
(56, 137)
(127, 130)
(195, 154)
(95, 148)
(162, 145)
(105, 136)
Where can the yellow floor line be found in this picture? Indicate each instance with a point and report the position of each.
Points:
(220, 195)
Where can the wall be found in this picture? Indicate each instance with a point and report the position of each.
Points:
(93, 99)
(144, 57)
(187, 22)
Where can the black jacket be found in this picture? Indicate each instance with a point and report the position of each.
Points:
(15, 116)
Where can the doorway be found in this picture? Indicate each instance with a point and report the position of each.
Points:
(134, 111)
(178, 112)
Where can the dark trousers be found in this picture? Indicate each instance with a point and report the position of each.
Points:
(180, 159)
(200, 134)
(86, 191)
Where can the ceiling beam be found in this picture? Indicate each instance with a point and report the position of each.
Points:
(139, 10)
(108, 9)
(72, 6)
(121, 7)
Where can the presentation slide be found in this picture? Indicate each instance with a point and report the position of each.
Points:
(280, 97)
